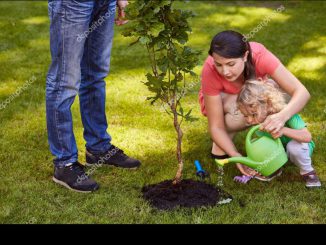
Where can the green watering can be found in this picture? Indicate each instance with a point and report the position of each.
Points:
(265, 154)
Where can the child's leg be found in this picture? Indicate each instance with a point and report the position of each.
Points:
(298, 153)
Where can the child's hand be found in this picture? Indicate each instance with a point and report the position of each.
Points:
(278, 134)
(273, 123)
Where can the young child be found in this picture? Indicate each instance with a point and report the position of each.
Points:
(259, 99)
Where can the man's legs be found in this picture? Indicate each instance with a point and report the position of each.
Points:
(95, 67)
(68, 20)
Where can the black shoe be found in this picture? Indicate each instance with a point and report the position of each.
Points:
(74, 178)
(114, 156)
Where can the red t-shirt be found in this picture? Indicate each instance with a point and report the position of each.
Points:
(212, 83)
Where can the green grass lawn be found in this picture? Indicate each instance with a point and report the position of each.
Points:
(27, 193)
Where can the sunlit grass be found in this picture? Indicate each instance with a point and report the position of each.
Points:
(241, 18)
(308, 67)
(317, 43)
(35, 20)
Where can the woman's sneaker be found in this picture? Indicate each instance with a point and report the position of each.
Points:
(311, 179)
(73, 177)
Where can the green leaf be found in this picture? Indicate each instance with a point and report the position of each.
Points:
(190, 118)
(181, 110)
(157, 9)
(182, 37)
(133, 43)
(179, 77)
(156, 29)
(144, 40)
(188, 113)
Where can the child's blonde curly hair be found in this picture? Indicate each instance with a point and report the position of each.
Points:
(256, 92)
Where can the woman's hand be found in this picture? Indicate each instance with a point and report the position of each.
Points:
(273, 123)
(243, 168)
(246, 170)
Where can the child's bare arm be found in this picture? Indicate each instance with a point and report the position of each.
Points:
(300, 135)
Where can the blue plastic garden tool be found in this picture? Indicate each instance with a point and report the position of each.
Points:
(201, 173)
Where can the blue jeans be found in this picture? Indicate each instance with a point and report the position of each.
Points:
(81, 34)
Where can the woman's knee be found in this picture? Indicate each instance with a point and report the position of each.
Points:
(229, 102)
(233, 118)
(235, 122)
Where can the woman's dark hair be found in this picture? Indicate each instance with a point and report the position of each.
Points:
(231, 44)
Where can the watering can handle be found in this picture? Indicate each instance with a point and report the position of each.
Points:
(253, 130)
(250, 133)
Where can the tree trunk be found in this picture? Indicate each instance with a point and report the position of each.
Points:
(177, 127)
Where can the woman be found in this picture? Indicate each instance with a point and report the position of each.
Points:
(231, 61)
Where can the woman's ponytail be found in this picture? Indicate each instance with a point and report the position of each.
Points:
(249, 71)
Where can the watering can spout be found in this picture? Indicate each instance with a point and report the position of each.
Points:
(244, 160)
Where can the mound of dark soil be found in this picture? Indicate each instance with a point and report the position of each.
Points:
(187, 193)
